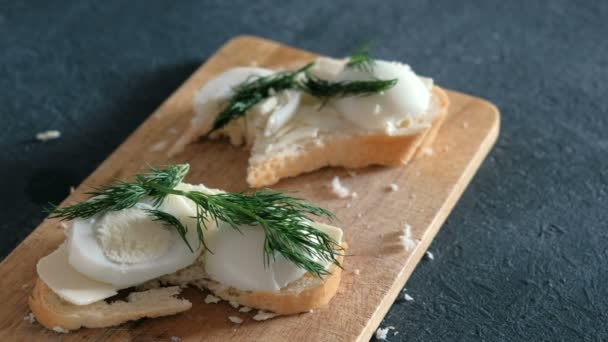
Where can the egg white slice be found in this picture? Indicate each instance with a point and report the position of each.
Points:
(410, 97)
(236, 259)
(88, 257)
(208, 100)
(69, 284)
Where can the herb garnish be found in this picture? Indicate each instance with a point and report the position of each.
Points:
(256, 89)
(361, 59)
(284, 219)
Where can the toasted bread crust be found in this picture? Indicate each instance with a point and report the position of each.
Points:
(349, 151)
(55, 313)
(303, 295)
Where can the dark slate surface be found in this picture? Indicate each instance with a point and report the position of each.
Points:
(524, 254)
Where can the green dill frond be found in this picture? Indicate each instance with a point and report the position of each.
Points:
(326, 90)
(170, 221)
(361, 59)
(254, 91)
(118, 196)
(288, 229)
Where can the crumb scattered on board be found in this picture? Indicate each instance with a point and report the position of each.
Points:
(465, 124)
(211, 299)
(357, 271)
(264, 315)
(244, 309)
(359, 215)
(60, 330)
(406, 238)
(235, 319)
(159, 146)
(48, 135)
(30, 318)
(234, 304)
(392, 187)
(408, 298)
(427, 151)
(338, 189)
(429, 255)
(175, 339)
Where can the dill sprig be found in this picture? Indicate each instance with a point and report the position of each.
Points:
(326, 90)
(288, 229)
(361, 59)
(123, 195)
(256, 89)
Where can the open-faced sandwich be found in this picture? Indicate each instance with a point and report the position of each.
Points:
(350, 112)
(156, 234)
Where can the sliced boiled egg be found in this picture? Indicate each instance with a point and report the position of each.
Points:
(236, 259)
(410, 97)
(69, 284)
(208, 101)
(127, 247)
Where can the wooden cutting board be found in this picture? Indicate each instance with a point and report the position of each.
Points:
(377, 267)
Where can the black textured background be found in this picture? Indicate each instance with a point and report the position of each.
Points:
(524, 255)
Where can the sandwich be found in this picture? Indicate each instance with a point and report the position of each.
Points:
(351, 113)
(132, 246)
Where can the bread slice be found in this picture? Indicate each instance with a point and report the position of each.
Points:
(151, 299)
(307, 293)
(56, 314)
(350, 151)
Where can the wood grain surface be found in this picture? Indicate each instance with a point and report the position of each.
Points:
(376, 268)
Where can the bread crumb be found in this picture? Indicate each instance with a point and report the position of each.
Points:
(465, 125)
(30, 318)
(211, 299)
(408, 298)
(235, 319)
(381, 333)
(244, 309)
(354, 195)
(427, 151)
(359, 215)
(264, 315)
(357, 271)
(429, 255)
(48, 135)
(348, 205)
(159, 146)
(395, 333)
(393, 187)
(60, 330)
(351, 173)
(406, 239)
(175, 339)
(338, 189)
(377, 109)
(25, 286)
(234, 304)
